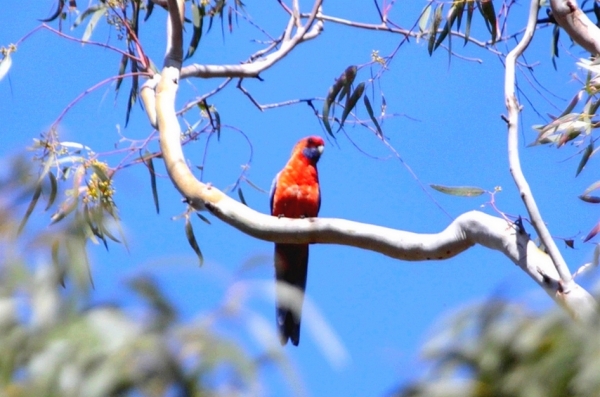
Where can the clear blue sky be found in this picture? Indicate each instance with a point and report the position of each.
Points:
(381, 309)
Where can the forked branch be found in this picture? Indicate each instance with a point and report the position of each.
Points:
(567, 285)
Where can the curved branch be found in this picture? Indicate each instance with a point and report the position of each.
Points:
(566, 285)
(254, 68)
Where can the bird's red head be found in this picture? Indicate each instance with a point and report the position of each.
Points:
(311, 147)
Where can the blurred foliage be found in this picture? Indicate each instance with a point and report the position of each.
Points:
(500, 349)
(55, 341)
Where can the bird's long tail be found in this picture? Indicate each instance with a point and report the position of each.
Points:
(291, 265)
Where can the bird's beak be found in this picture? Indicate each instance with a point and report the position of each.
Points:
(320, 149)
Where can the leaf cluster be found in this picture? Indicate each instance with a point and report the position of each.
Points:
(500, 349)
(55, 341)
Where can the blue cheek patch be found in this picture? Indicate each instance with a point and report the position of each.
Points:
(311, 153)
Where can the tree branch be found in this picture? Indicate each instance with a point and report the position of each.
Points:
(253, 69)
(578, 26)
(566, 285)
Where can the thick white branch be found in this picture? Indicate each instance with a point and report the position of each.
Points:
(578, 26)
(513, 109)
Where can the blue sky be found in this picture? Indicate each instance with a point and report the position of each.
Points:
(381, 309)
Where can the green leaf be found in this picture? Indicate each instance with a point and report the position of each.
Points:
(372, 116)
(249, 182)
(150, 165)
(197, 22)
(65, 209)
(586, 156)
(97, 14)
(592, 232)
(148, 289)
(122, 66)
(424, 19)
(189, 233)
(241, 196)
(133, 94)
(555, 37)
(149, 9)
(53, 190)
(5, 64)
(437, 19)
(203, 218)
(56, 261)
(330, 99)
(470, 9)
(447, 27)
(351, 102)
(99, 171)
(462, 191)
(347, 78)
(574, 101)
(591, 188)
(489, 15)
(56, 14)
(590, 199)
(460, 8)
(31, 207)
(91, 10)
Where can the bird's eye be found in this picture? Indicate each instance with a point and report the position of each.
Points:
(310, 142)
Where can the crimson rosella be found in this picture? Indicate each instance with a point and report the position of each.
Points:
(295, 193)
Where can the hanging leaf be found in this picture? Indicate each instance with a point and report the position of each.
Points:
(462, 191)
(82, 17)
(447, 27)
(204, 219)
(149, 9)
(347, 75)
(5, 65)
(460, 8)
(189, 233)
(56, 14)
(470, 9)
(197, 22)
(351, 102)
(372, 116)
(122, 67)
(347, 78)
(150, 165)
(424, 19)
(53, 190)
(241, 196)
(31, 207)
(97, 14)
(65, 209)
(570, 243)
(555, 37)
(592, 232)
(590, 199)
(133, 93)
(586, 156)
(56, 262)
(437, 19)
(489, 15)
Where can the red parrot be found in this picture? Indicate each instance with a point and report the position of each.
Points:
(295, 193)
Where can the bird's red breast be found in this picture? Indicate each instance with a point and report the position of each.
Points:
(295, 191)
